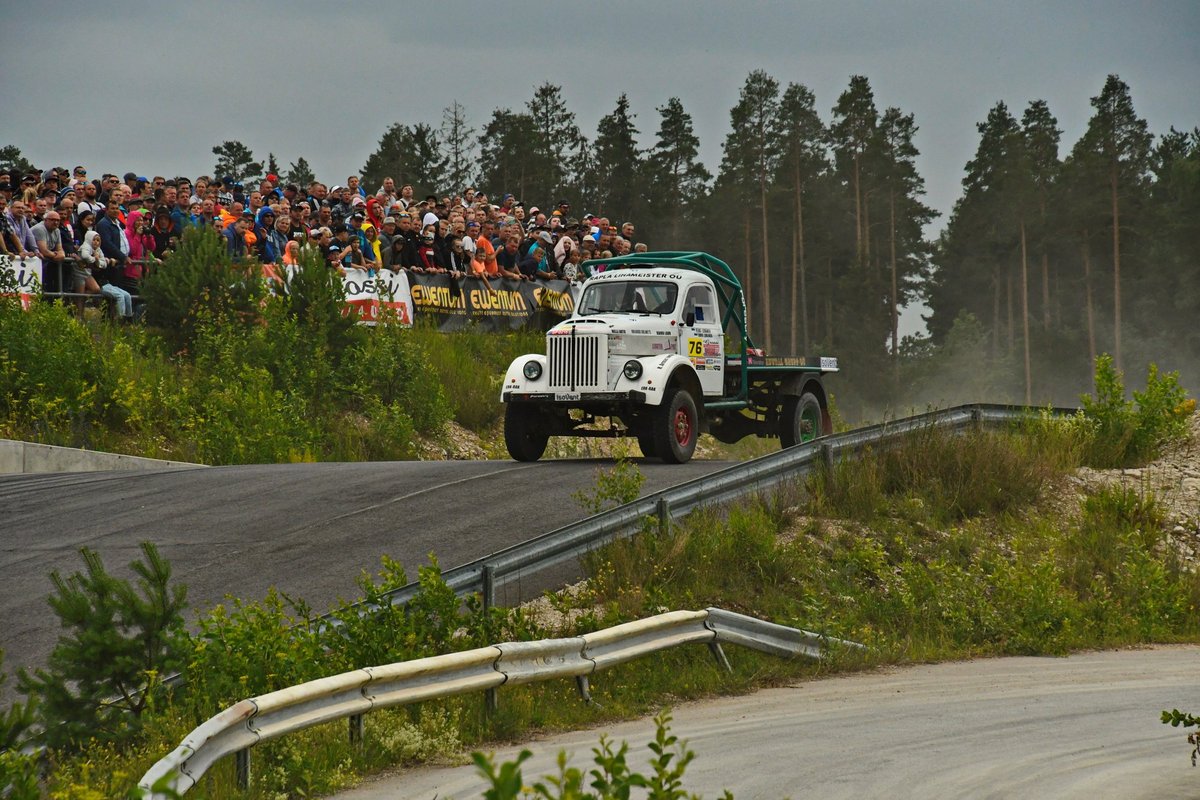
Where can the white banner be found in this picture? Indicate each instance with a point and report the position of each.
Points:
(368, 295)
(27, 274)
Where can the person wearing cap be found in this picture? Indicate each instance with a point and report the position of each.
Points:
(387, 235)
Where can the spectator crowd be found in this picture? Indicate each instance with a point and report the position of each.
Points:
(98, 236)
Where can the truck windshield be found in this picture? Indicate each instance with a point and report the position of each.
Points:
(633, 297)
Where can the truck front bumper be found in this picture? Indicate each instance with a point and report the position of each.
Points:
(575, 399)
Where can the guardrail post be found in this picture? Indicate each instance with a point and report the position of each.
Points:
(976, 418)
(663, 509)
(356, 729)
(827, 457)
(243, 768)
(585, 691)
(490, 697)
(719, 655)
(489, 586)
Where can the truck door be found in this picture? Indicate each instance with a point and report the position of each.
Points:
(703, 341)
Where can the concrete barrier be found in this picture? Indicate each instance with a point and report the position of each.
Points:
(27, 457)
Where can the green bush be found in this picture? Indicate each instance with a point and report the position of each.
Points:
(950, 476)
(201, 276)
(50, 373)
(1125, 433)
(105, 671)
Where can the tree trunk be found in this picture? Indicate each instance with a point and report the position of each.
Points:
(858, 229)
(829, 301)
(1087, 282)
(795, 296)
(895, 287)
(766, 266)
(803, 268)
(996, 311)
(1045, 289)
(1116, 245)
(1025, 314)
(1012, 328)
(749, 269)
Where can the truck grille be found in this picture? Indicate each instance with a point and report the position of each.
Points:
(577, 363)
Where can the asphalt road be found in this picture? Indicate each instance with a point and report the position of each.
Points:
(1080, 727)
(307, 529)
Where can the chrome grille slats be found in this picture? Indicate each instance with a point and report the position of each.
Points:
(577, 362)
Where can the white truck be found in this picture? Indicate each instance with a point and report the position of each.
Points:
(647, 349)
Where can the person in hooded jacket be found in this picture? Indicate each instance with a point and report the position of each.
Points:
(141, 248)
(163, 231)
(91, 255)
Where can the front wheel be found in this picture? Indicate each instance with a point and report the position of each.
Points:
(525, 433)
(676, 427)
(801, 420)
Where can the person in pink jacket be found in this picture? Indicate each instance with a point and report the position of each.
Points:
(141, 247)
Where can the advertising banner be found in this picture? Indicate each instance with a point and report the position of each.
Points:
(26, 274)
(499, 304)
(368, 295)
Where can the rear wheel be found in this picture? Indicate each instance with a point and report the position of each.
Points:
(676, 427)
(524, 432)
(801, 420)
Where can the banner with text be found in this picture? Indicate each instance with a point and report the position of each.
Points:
(497, 305)
(25, 274)
(370, 297)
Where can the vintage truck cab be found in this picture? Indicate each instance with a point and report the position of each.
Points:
(658, 345)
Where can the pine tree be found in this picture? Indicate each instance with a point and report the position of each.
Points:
(751, 158)
(677, 178)
(1041, 134)
(408, 154)
(852, 130)
(618, 163)
(555, 136)
(907, 215)
(12, 159)
(803, 156)
(102, 672)
(506, 154)
(300, 173)
(237, 161)
(1118, 142)
(459, 139)
(272, 165)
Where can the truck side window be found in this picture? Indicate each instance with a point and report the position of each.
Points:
(699, 301)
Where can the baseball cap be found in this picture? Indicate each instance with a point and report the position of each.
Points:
(389, 220)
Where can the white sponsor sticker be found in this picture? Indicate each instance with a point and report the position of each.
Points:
(566, 396)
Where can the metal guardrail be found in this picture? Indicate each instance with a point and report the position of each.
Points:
(352, 694)
(572, 541)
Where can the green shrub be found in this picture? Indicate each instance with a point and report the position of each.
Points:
(950, 476)
(49, 375)
(1125, 433)
(200, 275)
(104, 672)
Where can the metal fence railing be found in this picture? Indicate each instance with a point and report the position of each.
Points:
(352, 694)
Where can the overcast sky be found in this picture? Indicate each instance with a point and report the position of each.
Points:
(152, 87)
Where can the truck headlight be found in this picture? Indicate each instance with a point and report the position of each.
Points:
(632, 370)
(532, 370)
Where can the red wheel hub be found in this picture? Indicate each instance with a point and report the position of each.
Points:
(683, 427)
